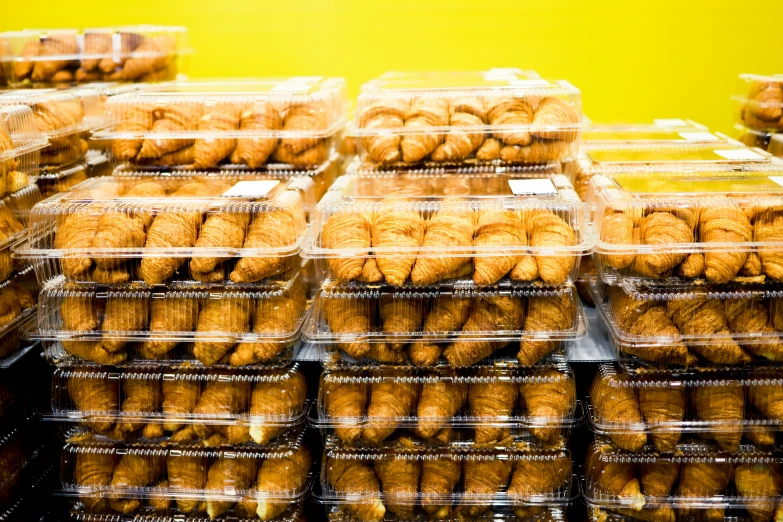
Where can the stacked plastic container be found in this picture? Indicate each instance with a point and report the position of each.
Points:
(686, 287)
(446, 302)
(172, 301)
(759, 111)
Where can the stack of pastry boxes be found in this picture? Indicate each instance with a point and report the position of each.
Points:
(172, 301)
(759, 112)
(23, 448)
(446, 302)
(686, 423)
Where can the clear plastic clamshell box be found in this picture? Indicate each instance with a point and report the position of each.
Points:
(205, 231)
(419, 230)
(697, 479)
(675, 225)
(46, 57)
(657, 410)
(373, 485)
(427, 408)
(621, 157)
(18, 297)
(700, 326)
(201, 125)
(180, 483)
(660, 130)
(337, 513)
(20, 146)
(210, 327)
(183, 407)
(14, 217)
(759, 101)
(64, 117)
(455, 327)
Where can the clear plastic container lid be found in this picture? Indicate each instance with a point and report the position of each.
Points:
(660, 130)
(182, 407)
(698, 326)
(451, 327)
(113, 230)
(58, 113)
(698, 476)
(20, 139)
(634, 411)
(371, 484)
(243, 122)
(430, 228)
(14, 217)
(479, 408)
(679, 224)
(172, 327)
(40, 57)
(105, 479)
(468, 117)
(760, 101)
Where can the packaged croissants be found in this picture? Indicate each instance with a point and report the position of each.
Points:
(759, 100)
(231, 229)
(57, 57)
(217, 327)
(481, 408)
(469, 118)
(185, 407)
(184, 484)
(679, 224)
(201, 125)
(422, 229)
(656, 411)
(373, 486)
(693, 326)
(698, 483)
(20, 145)
(456, 327)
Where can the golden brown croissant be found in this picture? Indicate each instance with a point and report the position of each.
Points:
(661, 228)
(397, 225)
(722, 221)
(135, 119)
(724, 407)
(257, 117)
(399, 479)
(658, 477)
(439, 402)
(169, 314)
(491, 397)
(749, 316)
(617, 403)
(216, 118)
(349, 316)
(175, 117)
(180, 397)
(548, 230)
(273, 400)
(495, 228)
(133, 471)
(235, 474)
(459, 144)
(423, 112)
(281, 476)
(549, 397)
(540, 475)
(767, 398)
(93, 470)
(186, 473)
(385, 114)
(663, 405)
(759, 480)
(226, 316)
(768, 228)
(703, 479)
(439, 477)
(483, 476)
(141, 396)
(614, 478)
(345, 401)
(489, 151)
(220, 398)
(545, 314)
(390, 402)
(553, 112)
(617, 229)
(153, 54)
(448, 314)
(510, 112)
(122, 314)
(449, 228)
(347, 230)
(766, 101)
(96, 396)
(400, 317)
(225, 229)
(349, 476)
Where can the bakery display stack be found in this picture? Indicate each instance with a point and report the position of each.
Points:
(446, 257)
(759, 103)
(686, 282)
(172, 296)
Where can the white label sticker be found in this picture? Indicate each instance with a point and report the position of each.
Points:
(251, 189)
(739, 154)
(698, 136)
(670, 122)
(777, 179)
(532, 187)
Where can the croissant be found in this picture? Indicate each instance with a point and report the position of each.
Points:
(748, 316)
(152, 55)
(132, 471)
(220, 398)
(345, 400)
(545, 314)
(767, 399)
(122, 314)
(496, 227)
(400, 317)
(439, 403)
(349, 476)
(93, 470)
(539, 151)
(96, 396)
(175, 117)
(662, 228)
(723, 406)
(666, 405)
(483, 477)
(548, 230)
(271, 400)
(724, 222)
(703, 479)
(439, 477)
(135, 119)
(460, 144)
(256, 117)
(450, 228)
(386, 114)
(542, 475)
(349, 316)
(615, 478)
(490, 398)
(554, 112)
(766, 101)
(617, 403)
(489, 151)
(510, 112)
(759, 480)
(752, 266)
(399, 479)
(141, 396)
(768, 228)
(448, 314)
(658, 477)
(186, 473)
(281, 476)
(347, 230)
(220, 230)
(233, 474)
(617, 229)
(390, 402)
(397, 225)
(226, 316)
(424, 112)
(217, 118)
(180, 397)
(169, 314)
(488, 314)
(550, 398)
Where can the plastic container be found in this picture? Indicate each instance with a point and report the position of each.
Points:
(14, 218)
(111, 231)
(420, 230)
(699, 477)
(759, 101)
(431, 408)
(699, 326)
(467, 118)
(18, 296)
(224, 328)
(201, 125)
(660, 130)
(213, 483)
(678, 225)
(20, 146)
(181, 407)
(455, 327)
(45, 57)
(724, 407)
(369, 485)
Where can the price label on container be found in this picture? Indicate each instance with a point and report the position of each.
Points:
(739, 154)
(698, 136)
(532, 187)
(251, 189)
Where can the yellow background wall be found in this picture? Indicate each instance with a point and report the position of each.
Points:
(634, 61)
